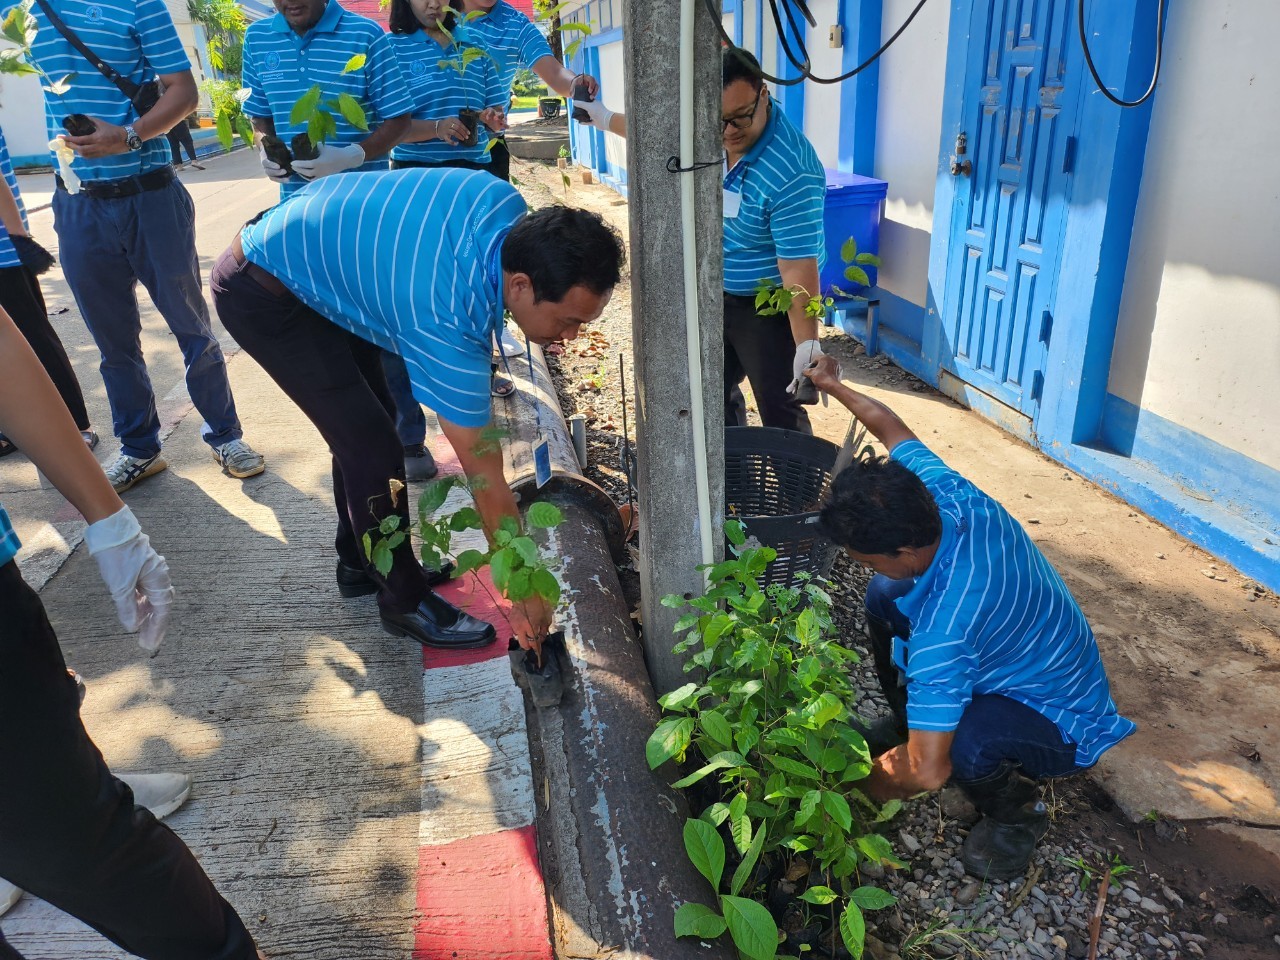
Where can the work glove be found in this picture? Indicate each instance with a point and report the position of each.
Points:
(273, 170)
(807, 353)
(330, 158)
(599, 113)
(136, 576)
(33, 256)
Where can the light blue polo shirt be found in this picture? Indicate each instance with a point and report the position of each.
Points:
(992, 616)
(439, 92)
(408, 260)
(280, 66)
(138, 38)
(511, 39)
(9, 542)
(8, 255)
(781, 189)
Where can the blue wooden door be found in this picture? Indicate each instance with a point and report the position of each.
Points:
(1010, 202)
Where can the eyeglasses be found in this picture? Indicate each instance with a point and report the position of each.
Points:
(743, 120)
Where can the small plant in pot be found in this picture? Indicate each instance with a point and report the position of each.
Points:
(470, 116)
(318, 115)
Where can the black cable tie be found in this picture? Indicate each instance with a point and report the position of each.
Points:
(673, 165)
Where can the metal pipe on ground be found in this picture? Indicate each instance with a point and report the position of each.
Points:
(610, 831)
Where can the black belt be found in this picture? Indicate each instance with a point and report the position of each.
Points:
(262, 278)
(125, 186)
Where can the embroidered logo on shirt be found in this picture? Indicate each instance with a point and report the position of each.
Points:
(418, 69)
(271, 61)
(94, 14)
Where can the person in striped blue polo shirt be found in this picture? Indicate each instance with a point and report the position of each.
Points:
(310, 42)
(774, 196)
(992, 672)
(422, 263)
(131, 221)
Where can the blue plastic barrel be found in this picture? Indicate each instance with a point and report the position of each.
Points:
(853, 209)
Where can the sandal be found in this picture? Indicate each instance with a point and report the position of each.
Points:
(90, 438)
(501, 386)
(6, 446)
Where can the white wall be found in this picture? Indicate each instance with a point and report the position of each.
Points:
(822, 100)
(22, 114)
(1198, 341)
(909, 125)
(613, 84)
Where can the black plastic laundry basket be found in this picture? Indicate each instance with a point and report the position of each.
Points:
(774, 482)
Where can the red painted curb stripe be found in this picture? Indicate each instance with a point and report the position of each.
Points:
(482, 898)
(467, 593)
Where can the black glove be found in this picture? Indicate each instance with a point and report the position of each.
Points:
(33, 256)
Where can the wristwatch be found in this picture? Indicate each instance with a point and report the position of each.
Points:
(131, 138)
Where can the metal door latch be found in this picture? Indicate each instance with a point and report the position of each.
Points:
(961, 168)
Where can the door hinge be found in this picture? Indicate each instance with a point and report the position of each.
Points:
(1046, 326)
(1037, 385)
(1069, 156)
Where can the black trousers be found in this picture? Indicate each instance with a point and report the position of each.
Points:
(762, 350)
(336, 379)
(181, 136)
(500, 159)
(69, 830)
(21, 298)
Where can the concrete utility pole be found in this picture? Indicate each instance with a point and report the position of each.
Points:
(680, 420)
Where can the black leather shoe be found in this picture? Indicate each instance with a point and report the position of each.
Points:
(355, 582)
(438, 623)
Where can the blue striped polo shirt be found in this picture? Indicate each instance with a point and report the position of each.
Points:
(138, 39)
(408, 260)
(8, 255)
(439, 91)
(992, 616)
(783, 190)
(280, 66)
(9, 542)
(511, 39)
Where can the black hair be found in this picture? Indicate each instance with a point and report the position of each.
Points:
(877, 505)
(739, 64)
(561, 247)
(403, 20)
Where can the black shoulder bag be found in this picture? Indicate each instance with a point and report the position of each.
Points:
(142, 96)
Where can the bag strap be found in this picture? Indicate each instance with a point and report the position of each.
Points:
(124, 84)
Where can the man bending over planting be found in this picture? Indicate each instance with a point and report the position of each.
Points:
(991, 670)
(422, 263)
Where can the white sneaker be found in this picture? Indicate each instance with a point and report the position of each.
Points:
(239, 459)
(126, 471)
(508, 345)
(161, 793)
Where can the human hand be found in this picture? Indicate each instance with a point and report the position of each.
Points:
(136, 576)
(530, 620)
(825, 373)
(106, 141)
(600, 115)
(806, 353)
(494, 118)
(451, 130)
(330, 158)
(273, 170)
(590, 82)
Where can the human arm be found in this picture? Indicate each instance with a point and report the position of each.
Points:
(560, 78)
(602, 118)
(921, 764)
(883, 423)
(447, 129)
(801, 276)
(180, 97)
(481, 460)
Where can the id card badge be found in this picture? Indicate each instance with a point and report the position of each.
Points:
(732, 204)
(541, 461)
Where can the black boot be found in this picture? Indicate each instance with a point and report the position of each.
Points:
(885, 733)
(1000, 845)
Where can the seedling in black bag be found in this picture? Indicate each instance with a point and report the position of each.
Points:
(322, 125)
(78, 125)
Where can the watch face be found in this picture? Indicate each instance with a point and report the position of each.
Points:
(133, 141)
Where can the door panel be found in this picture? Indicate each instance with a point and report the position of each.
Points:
(1009, 212)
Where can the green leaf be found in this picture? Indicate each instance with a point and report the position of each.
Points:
(837, 808)
(526, 550)
(748, 864)
(352, 111)
(717, 728)
(888, 811)
(467, 518)
(808, 806)
(698, 920)
(716, 814)
(544, 515)
(467, 561)
(678, 697)
(434, 495)
(853, 930)
(575, 27)
(849, 250)
(857, 275)
(305, 107)
(355, 63)
(226, 136)
(544, 583)
(868, 258)
(500, 566)
(382, 557)
(873, 898)
(740, 823)
(11, 62)
(718, 762)
(746, 737)
(823, 710)
(389, 524)
(367, 541)
(735, 532)
(752, 928)
(670, 739)
(59, 87)
(572, 48)
(518, 586)
(245, 129)
(818, 895)
(794, 767)
(705, 849)
(876, 848)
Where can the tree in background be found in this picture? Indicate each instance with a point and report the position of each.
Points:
(224, 25)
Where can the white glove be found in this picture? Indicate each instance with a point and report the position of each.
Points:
(136, 575)
(807, 353)
(599, 113)
(273, 170)
(331, 159)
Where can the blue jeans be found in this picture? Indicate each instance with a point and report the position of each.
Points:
(993, 728)
(106, 248)
(411, 424)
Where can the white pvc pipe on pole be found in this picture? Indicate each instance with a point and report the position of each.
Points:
(693, 338)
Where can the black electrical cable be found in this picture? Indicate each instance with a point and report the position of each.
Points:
(804, 64)
(1088, 58)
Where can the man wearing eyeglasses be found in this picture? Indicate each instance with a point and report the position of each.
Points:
(774, 194)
